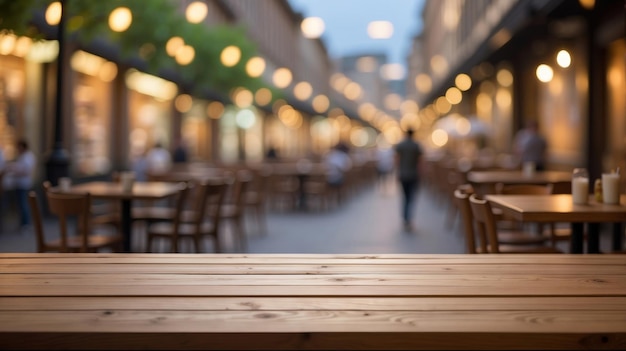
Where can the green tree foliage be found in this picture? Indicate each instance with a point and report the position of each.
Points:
(154, 23)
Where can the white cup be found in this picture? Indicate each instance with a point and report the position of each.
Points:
(610, 188)
(580, 186)
(128, 180)
(65, 184)
(528, 168)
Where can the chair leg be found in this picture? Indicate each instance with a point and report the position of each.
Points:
(239, 232)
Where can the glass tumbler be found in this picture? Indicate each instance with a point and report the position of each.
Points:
(580, 186)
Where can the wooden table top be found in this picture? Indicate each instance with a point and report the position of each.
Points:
(113, 190)
(558, 208)
(518, 177)
(312, 301)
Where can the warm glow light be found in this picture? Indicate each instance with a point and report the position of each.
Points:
(454, 95)
(185, 54)
(423, 83)
(42, 51)
(215, 110)
(263, 96)
(282, 77)
(255, 66)
(320, 103)
(53, 13)
(7, 44)
(587, 4)
(243, 98)
(439, 137)
(563, 58)
(108, 71)
(339, 81)
(462, 126)
(439, 64)
(504, 98)
(183, 103)
(120, 19)
(151, 85)
(303, 91)
(443, 105)
(463, 82)
(196, 12)
(173, 44)
(544, 73)
(312, 27)
(22, 46)
(352, 91)
(86, 63)
(230, 56)
(380, 29)
(451, 16)
(504, 78)
(392, 102)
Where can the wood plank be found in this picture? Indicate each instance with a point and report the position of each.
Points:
(372, 303)
(156, 321)
(309, 269)
(315, 341)
(25, 258)
(553, 288)
(487, 281)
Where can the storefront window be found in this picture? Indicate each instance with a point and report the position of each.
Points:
(196, 131)
(150, 111)
(11, 97)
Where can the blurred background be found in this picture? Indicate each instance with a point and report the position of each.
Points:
(236, 77)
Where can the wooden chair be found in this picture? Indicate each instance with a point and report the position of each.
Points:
(255, 198)
(203, 220)
(493, 240)
(68, 207)
(284, 190)
(560, 231)
(463, 205)
(168, 228)
(232, 210)
(555, 234)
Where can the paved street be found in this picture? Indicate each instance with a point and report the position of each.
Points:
(368, 222)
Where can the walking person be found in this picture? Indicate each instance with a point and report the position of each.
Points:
(531, 146)
(408, 163)
(19, 175)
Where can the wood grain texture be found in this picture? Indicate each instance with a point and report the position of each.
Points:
(312, 301)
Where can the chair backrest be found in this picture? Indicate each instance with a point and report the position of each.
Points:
(35, 211)
(209, 205)
(527, 189)
(179, 206)
(68, 207)
(463, 204)
(243, 179)
(485, 223)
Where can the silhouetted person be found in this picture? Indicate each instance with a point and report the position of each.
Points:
(19, 176)
(181, 153)
(408, 159)
(158, 159)
(531, 146)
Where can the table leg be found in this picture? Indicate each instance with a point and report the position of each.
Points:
(593, 238)
(126, 225)
(576, 240)
(618, 234)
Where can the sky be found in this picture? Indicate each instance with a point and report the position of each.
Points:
(346, 25)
